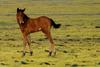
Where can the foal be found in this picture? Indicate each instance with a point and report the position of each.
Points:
(29, 25)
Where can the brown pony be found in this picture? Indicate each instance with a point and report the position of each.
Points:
(29, 25)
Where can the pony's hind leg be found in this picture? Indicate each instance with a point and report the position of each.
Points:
(52, 47)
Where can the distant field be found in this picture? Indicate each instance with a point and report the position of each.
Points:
(77, 41)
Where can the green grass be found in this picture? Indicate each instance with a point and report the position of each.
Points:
(77, 41)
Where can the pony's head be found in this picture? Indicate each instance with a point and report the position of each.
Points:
(20, 15)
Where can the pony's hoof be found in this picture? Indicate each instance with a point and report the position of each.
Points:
(23, 54)
(54, 53)
(50, 53)
(31, 53)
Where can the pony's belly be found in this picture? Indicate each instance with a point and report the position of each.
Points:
(35, 29)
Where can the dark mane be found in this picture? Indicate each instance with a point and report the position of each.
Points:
(25, 18)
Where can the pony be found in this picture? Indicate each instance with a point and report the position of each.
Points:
(30, 25)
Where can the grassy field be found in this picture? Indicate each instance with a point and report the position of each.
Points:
(77, 41)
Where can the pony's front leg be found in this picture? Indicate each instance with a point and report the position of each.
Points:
(29, 44)
(24, 45)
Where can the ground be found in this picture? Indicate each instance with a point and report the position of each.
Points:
(77, 41)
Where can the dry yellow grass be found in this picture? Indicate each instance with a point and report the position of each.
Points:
(77, 41)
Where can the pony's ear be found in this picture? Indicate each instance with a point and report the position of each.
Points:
(23, 10)
(18, 9)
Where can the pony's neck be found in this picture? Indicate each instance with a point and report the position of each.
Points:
(25, 18)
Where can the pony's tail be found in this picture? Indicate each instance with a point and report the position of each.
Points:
(54, 24)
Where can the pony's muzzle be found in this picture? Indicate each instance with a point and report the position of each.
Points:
(21, 21)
